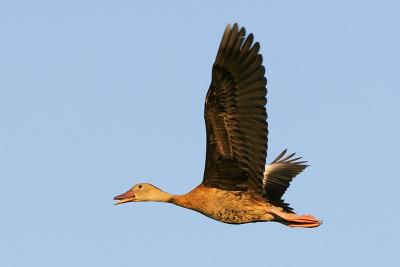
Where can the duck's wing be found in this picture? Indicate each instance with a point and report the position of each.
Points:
(235, 115)
(279, 173)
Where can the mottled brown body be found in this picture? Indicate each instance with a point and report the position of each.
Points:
(235, 207)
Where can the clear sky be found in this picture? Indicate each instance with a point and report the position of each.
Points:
(96, 96)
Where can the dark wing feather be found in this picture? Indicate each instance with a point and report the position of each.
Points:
(280, 173)
(235, 115)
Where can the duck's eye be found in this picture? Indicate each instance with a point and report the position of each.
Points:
(140, 186)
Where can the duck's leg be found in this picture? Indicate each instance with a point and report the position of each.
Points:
(294, 220)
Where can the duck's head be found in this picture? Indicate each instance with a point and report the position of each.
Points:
(142, 192)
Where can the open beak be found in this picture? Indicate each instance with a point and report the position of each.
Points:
(128, 196)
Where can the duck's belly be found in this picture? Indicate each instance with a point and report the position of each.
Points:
(240, 216)
(232, 207)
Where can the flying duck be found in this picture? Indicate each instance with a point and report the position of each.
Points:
(238, 187)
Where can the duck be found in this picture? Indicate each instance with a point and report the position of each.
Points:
(238, 186)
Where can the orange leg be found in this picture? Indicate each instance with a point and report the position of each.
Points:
(294, 220)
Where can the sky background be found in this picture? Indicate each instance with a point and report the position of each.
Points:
(96, 96)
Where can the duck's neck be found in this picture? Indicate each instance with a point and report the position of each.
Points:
(189, 200)
(185, 200)
(161, 196)
(179, 200)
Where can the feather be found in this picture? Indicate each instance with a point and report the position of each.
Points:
(235, 114)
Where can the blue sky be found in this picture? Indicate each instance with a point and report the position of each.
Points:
(96, 96)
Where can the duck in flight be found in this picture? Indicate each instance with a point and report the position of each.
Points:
(237, 186)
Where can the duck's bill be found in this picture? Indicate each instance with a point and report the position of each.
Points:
(125, 197)
(130, 199)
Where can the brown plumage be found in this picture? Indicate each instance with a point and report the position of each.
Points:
(237, 186)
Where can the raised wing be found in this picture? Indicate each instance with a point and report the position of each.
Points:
(235, 115)
(279, 174)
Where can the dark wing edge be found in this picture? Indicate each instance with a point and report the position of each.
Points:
(235, 115)
(279, 174)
